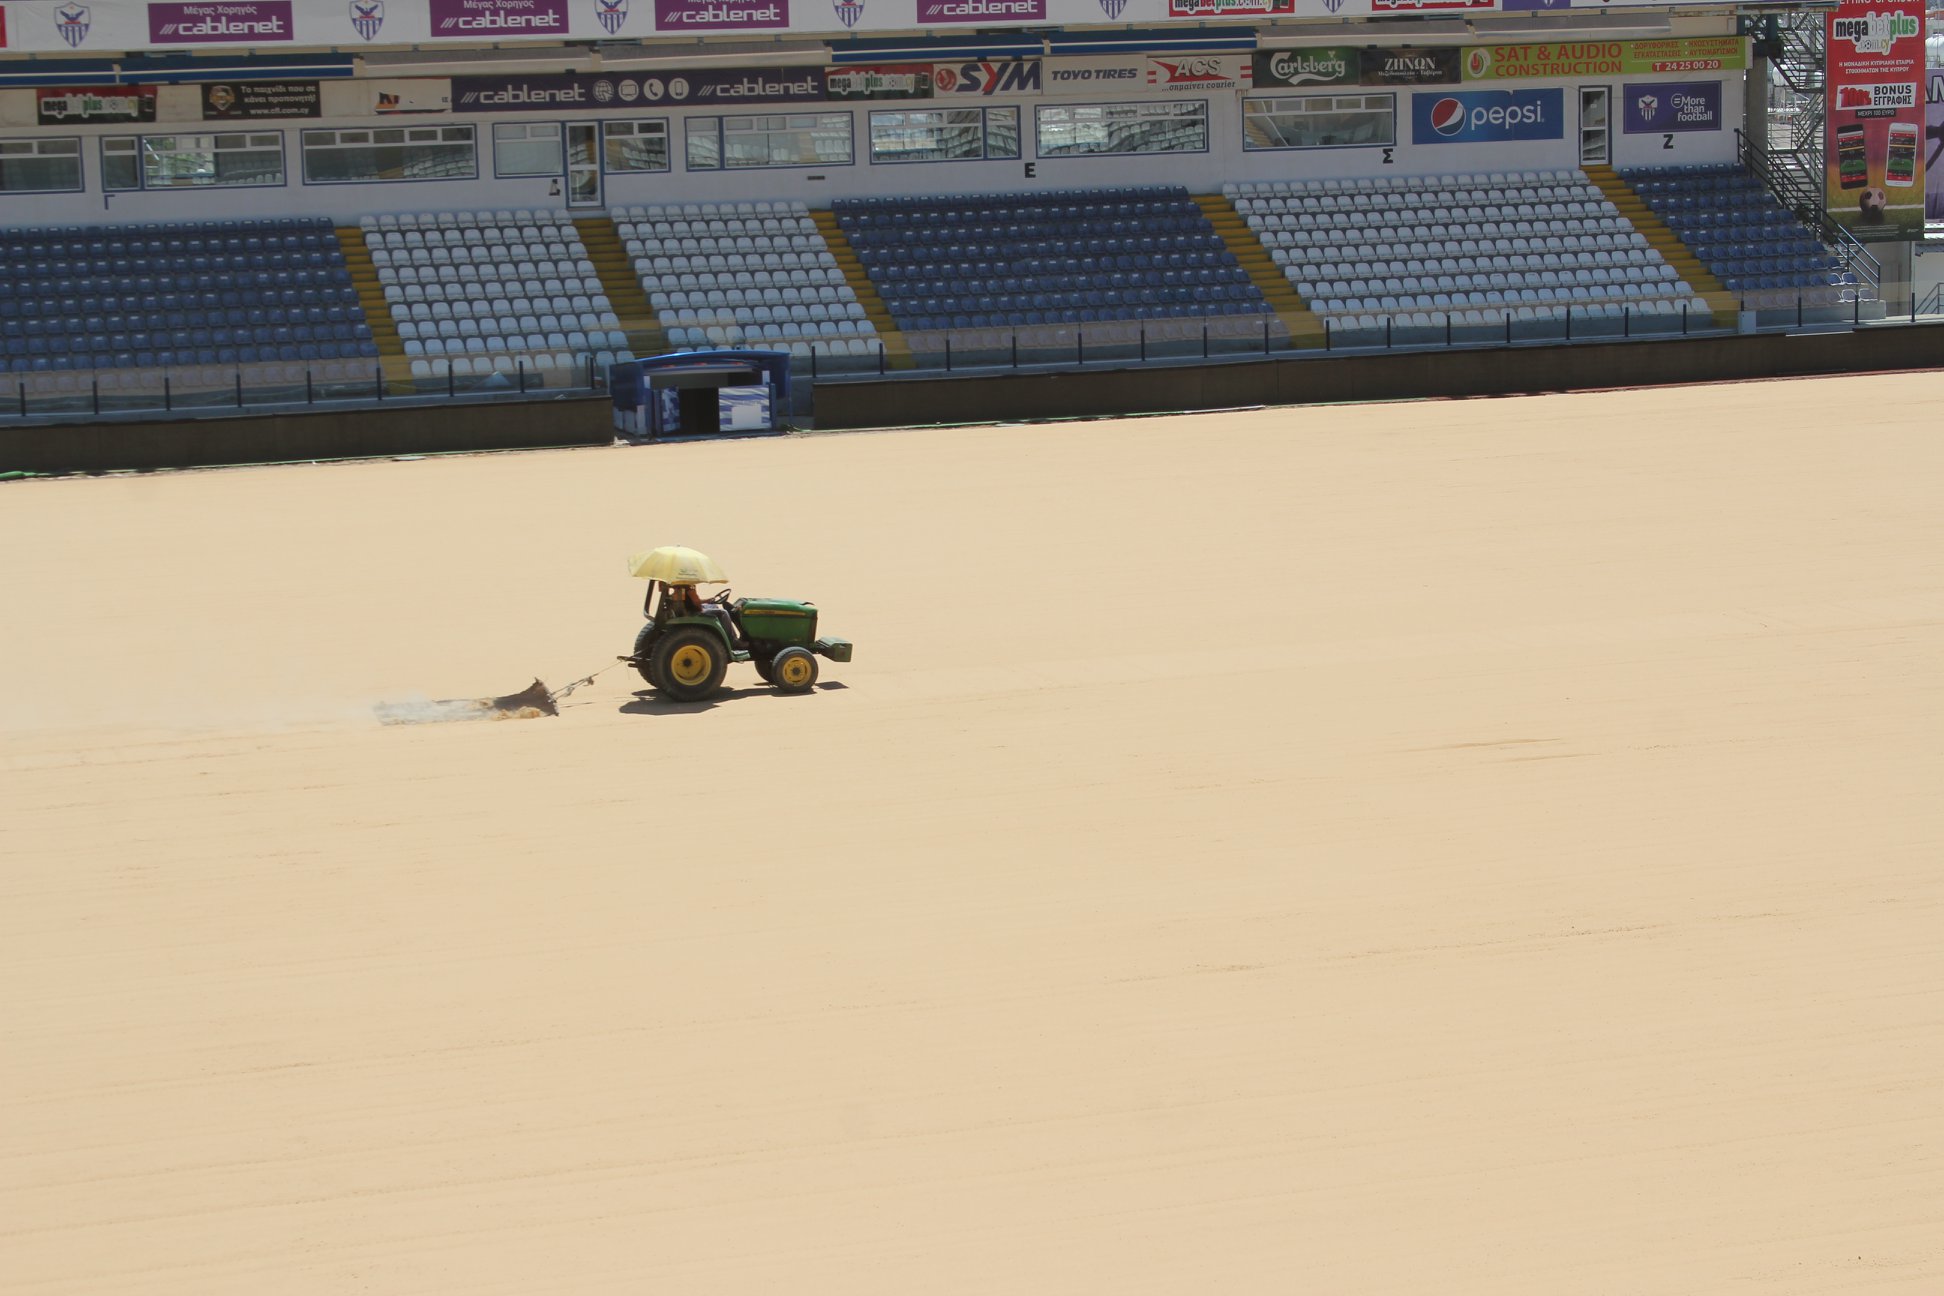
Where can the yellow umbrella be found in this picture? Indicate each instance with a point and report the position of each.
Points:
(677, 566)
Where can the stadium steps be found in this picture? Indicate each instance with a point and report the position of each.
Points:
(1721, 303)
(897, 351)
(617, 273)
(377, 312)
(1305, 329)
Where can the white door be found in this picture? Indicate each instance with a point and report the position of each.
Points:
(1595, 129)
(583, 164)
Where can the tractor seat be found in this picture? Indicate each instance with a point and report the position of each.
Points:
(721, 613)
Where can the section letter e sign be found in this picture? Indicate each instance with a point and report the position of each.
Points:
(1487, 116)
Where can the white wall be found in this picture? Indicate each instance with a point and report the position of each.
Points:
(1225, 161)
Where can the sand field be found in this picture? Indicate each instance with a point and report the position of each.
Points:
(1478, 847)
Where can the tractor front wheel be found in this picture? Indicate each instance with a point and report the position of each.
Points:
(794, 670)
(644, 655)
(690, 663)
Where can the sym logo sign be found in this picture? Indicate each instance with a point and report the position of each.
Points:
(1021, 76)
(1488, 116)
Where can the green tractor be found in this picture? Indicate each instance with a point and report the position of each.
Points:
(687, 645)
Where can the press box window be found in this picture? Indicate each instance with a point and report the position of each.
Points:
(769, 140)
(944, 135)
(189, 161)
(40, 166)
(1082, 130)
(527, 149)
(389, 153)
(1320, 121)
(635, 145)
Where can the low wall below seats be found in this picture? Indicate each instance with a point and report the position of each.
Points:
(1133, 389)
(414, 428)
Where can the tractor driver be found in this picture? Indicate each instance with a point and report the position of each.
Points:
(681, 600)
(687, 602)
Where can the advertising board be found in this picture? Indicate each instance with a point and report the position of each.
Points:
(1874, 167)
(232, 101)
(1934, 146)
(95, 104)
(1487, 116)
(1660, 107)
(881, 81)
(221, 22)
(1541, 62)
(695, 87)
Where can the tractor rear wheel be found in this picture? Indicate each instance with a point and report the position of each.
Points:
(644, 655)
(794, 670)
(690, 663)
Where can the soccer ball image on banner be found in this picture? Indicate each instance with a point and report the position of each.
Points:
(1872, 204)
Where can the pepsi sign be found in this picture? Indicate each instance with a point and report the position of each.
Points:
(1487, 116)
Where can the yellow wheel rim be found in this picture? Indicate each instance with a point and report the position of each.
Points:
(795, 672)
(690, 664)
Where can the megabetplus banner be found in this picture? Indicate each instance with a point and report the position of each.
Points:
(1487, 116)
(95, 104)
(1934, 141)
(1660, 107)
(1875, 75)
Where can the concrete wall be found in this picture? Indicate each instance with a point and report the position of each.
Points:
(281, 438)
(1225, 160)
(1112, 390)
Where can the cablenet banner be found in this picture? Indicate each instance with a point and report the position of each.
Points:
(473, 94)
(222, 22)
(721, 15)
(931, 12)
(1605, 58)
(1934, 142)
(487, 19)
(1875, 77)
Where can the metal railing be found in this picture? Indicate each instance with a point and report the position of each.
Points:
(1808, 206)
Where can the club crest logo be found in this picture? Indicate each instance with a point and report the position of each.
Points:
(72, 21)
(1112, 8)
(367, 16)
(1333, 5)
(612, 14)
(848, 11)
(1648, 105)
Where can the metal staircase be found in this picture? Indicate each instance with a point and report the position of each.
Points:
(1794, 147)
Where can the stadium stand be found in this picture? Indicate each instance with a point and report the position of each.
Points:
(1422, 254)
(475, 294)
(747, 274)
(1744, 236)
(157, 296)
(1039, 265)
